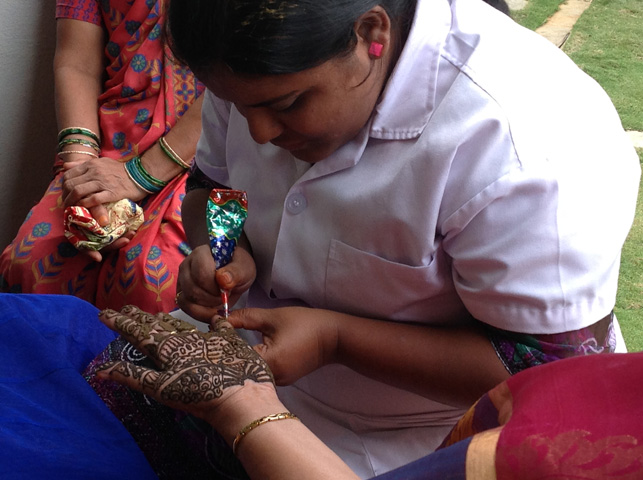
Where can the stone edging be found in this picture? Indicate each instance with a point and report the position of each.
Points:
(557, 29)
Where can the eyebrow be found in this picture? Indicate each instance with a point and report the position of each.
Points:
(272, 101)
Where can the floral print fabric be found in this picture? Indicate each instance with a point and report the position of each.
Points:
(145, 93)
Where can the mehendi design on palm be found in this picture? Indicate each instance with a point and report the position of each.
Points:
(193, 367)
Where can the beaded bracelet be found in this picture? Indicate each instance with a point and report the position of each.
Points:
(252, 425)
(171, 154)
(82, 152)
(65, 132)
(142, 177)
(78, 141)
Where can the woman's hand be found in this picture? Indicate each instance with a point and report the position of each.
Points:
(117, 244)
(97, 181)
(199, 283)
(296, 340)
(87, 181)
(197, 372)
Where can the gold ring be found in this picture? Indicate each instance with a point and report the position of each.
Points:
(176, 298)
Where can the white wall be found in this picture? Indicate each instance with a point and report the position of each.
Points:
(27, 118)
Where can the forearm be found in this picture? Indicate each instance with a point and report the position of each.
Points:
(76, 99)
(78, 70)
(194, 218)
(288, 450)
(182, 139)
(454, 366)
(283, 449)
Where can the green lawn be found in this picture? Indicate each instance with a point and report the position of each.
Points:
(607, 43)
(535, 13)
(629, 301)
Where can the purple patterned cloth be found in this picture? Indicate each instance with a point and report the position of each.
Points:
(176, 445)
(519, 351)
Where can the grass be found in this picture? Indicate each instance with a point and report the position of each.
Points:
(535, 13)
(606, 42)
(629, 300)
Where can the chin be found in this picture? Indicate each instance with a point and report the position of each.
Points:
(311, 155)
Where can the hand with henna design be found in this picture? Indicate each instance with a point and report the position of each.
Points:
(217, 376)
(196, 371)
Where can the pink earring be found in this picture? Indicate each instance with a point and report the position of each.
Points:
(375, 49)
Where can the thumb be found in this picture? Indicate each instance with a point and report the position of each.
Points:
(99, 212)
(252, 319)
(239, 274)
(226, 278)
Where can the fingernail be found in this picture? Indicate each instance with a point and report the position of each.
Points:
(103, 220)
(226, 278)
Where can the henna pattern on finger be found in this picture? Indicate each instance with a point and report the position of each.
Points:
(195, 368)
(176, 323)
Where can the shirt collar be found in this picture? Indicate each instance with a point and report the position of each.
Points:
(408, 99)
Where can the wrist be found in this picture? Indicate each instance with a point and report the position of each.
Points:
(71, 153)
(141, 177)
(249, 403)
(330, 338)
(156, 161)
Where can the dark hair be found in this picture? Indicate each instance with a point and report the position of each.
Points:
(500, 5)
(271, 36)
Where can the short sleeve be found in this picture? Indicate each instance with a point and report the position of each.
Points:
(85, 10)
(538, 251)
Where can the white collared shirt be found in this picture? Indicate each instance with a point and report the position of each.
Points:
(494, 179)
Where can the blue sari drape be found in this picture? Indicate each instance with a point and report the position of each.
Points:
(52, 424)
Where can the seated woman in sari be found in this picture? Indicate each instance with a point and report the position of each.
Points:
(119, 95)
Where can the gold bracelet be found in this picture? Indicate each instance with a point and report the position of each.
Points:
(171, 154)
(252, 425)
(78, 141)
(82, 152)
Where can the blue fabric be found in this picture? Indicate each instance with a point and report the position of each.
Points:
(52, 424)
(445, 464)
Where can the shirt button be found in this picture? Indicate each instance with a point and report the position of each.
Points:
(296, 203)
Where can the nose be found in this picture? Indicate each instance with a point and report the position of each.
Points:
(262, 124)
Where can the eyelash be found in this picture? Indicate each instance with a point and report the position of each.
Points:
(290, 107)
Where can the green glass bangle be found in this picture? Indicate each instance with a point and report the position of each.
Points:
(128, 171)
(78, 141)
(65, 132)
(142, 177)
(145, 174)
(171, 154)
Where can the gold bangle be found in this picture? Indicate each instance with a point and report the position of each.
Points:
(78, 141)
(171, 154)
(252, 425)
(82, 152)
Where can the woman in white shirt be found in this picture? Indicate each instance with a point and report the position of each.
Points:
(437, 199)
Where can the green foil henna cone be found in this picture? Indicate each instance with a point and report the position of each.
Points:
(226, 213)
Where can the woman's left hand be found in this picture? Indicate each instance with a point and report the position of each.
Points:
(95, 182)
(296, 340)
(197, 372)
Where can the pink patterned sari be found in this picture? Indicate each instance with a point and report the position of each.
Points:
(144, 95)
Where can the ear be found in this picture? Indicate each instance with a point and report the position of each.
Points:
(374, 28)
